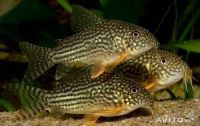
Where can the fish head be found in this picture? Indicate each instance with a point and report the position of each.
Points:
(168, 69)
(139, 40)
(128, 37)
(129, 95)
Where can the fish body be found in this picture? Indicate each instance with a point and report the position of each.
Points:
(159, 68)
(101, 46)
(108, 95)
(155, 69)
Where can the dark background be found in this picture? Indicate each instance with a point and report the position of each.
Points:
(43, 21)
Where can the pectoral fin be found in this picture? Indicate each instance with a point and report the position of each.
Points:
(150, 86)
(113, 64)
(90, 119)
(151, 83)
(107, 67)
(110, 112)
(97, 70)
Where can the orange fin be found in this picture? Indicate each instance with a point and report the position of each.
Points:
(110, 112)
(150, 85)
(90, 120)
(97, 70)
(103, 67)
(112, 65)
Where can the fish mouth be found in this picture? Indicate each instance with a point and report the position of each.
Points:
(159, 84)
(186, 77)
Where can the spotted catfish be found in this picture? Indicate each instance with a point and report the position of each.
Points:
(101, 46)
(159, 69)
(108, 95)
(156, 69)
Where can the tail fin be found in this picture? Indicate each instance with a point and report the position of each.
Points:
(33, 99)
(40, 60)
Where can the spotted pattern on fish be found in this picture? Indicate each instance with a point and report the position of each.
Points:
(32, 99)
(164, 67)
(107, 35)
(102, 43)
(84, 96)
(35, 53)
(103, 90)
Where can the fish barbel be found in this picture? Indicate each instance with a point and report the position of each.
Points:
(159, 68)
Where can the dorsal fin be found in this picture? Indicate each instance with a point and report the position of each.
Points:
(82, 18)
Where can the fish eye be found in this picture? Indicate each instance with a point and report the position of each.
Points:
(163, 61)
(136, 34)
(134, 90)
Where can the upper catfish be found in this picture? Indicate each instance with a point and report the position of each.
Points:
(101, 44)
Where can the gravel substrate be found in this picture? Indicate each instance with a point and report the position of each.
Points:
(168, 113)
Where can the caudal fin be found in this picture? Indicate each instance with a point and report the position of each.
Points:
(32, 99)
(40, 60)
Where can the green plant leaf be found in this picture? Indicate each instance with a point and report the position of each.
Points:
(190, 25)
(191, 46)
(65, 5)
(188, 90)
(27, 10)
(7, 105)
